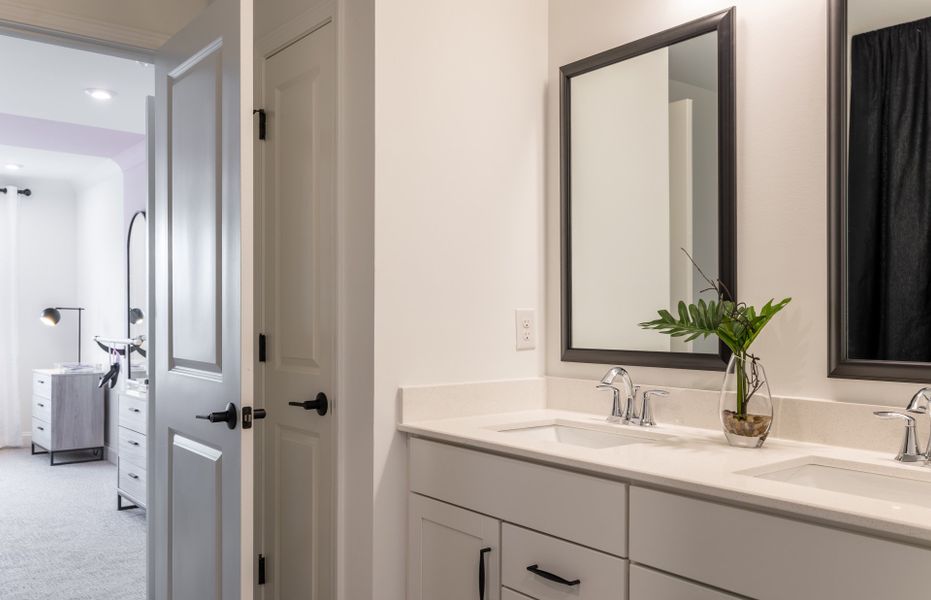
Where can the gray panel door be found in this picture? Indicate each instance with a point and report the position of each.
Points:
(202, 508)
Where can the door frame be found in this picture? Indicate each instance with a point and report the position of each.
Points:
(268, 45)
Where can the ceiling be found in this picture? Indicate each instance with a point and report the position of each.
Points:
(695, 61)
(48, 82)
(43, 164)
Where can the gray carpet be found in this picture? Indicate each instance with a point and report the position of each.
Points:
(61, 536)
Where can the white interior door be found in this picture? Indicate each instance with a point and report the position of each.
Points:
(298, 285)
(202, 513)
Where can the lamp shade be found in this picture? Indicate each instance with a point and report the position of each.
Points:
(50, 316)
(136, 316)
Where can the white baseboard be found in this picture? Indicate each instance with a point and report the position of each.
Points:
(27, 438)
(112, 454)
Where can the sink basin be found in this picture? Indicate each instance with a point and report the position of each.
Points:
(574, 435)
(869, 481)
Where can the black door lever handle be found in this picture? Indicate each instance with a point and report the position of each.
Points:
(320, 404)
(229, 416)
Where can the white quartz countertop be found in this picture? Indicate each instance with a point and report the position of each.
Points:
(699, 461)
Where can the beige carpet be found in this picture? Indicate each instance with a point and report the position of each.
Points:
(61, 537)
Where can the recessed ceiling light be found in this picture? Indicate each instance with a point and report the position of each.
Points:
(13, 166)
(99, 93)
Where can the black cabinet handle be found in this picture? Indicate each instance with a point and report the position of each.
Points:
(536, 570)
(40, 405)
(133, 443)
(135, 410)
(481, 572)
(320, 404)
(132, 476)
(40, 428)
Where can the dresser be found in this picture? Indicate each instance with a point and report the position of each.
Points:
(133, 428)
(67, 416)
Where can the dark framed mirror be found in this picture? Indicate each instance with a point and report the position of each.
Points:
(137, 294)
(879, 188)
(647, 170)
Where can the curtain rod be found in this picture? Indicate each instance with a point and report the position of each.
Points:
(25, 191)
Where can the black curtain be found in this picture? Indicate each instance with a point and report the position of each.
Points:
(889, 194)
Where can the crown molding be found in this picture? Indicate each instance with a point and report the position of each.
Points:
(21, 13)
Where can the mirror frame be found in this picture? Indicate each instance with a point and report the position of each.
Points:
(129, 239)
(839, 365)
(723, 24)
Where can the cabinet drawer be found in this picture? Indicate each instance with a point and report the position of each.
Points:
(132, 480)
(42, 408)
(42, 433)
(132, 447)
(507, 594)
(647, 584)
(42, 385)
(585, 509)
(740, 550)
(133, 413)
(599, 576)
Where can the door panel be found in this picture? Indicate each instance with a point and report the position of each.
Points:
(201, 511)
(195, 204)
(298, 284)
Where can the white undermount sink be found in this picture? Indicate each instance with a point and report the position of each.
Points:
(574, 435)
(911, 486)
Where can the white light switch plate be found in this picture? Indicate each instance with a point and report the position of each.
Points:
(525, 323)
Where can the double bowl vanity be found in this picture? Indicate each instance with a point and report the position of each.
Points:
(551, 504)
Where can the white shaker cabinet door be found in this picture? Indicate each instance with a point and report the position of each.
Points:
(453, 554)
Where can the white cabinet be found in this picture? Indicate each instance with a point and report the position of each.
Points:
(647, 584)
(131, 475)
(454, 553)
(67, 415)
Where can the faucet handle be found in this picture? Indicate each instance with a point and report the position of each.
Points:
(616, 415)
(910, 451)
(646, 418)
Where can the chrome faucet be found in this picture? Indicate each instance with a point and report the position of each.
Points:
(910, 450)
(920, 404)
(607, 383)
(629, 414)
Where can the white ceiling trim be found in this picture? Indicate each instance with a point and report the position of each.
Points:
(15, 11)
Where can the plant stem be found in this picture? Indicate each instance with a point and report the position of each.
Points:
(740, 372)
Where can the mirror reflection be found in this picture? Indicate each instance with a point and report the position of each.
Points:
(644, 192)
(888, 203)
(137, 308)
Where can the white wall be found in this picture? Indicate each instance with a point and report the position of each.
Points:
(781, 172)
(459, 133)
(101, 267)
(47, 277)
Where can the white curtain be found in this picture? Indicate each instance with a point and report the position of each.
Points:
(10, 429)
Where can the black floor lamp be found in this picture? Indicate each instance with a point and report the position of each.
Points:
(51, 317)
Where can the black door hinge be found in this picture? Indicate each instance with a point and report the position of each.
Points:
(261, 347)
(262, 120)
(261, 569)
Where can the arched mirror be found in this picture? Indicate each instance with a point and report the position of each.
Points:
(137, 285)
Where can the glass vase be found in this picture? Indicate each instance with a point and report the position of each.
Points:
(746, 405)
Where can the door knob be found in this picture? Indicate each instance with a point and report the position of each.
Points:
(320, 404)
(228, 416)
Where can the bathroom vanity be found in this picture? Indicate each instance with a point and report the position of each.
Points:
(550, 504)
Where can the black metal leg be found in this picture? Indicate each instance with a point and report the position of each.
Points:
(97, 452)
(34, 450)
(119, 504)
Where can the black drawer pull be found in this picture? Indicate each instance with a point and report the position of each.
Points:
(132, 476)
(40, 428)
(132, 442)
(40, 405)
(481, 572)
(135, 410)
(536, 570)
(41, 381)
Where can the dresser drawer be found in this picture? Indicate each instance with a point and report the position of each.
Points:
(740, 550)
(42, 385)
(132, 447)
(591, 575)
(42, 408)
(581, 508)
(647, 584)
(132, 480)
(133, 412)
(42, 434)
